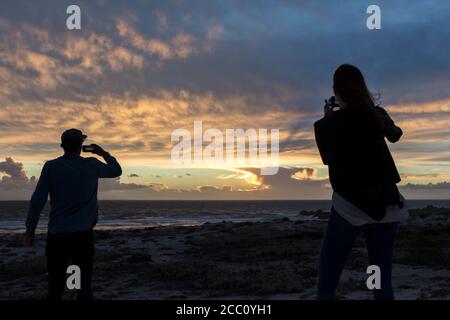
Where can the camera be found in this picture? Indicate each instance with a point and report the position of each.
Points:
(88, 148)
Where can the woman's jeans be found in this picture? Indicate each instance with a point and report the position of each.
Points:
(337, 245)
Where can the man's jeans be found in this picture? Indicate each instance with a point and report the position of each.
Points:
(66, 249)
(337, 245)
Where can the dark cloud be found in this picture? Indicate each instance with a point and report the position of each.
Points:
(113, 185)
(208, 188)
(15, 176)
(157, 146)
(133, 175)
(428, 186)
(215, 189)
(438, 190)
(264, 48)
(304, 173)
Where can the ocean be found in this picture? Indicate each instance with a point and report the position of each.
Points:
(141, 214)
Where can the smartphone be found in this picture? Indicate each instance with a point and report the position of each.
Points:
(332, 102)
(88, 148)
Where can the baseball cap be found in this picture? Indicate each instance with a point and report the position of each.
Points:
(72, 136)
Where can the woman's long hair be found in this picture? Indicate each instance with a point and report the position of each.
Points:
(349, 83)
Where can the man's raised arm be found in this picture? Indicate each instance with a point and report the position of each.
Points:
(110, 169)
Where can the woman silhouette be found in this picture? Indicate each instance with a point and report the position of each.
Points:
(363, 177)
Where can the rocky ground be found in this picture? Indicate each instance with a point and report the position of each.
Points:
(265, 260)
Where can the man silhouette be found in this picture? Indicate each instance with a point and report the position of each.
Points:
(71, 181)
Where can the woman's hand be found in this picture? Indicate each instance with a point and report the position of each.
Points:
(327, 109)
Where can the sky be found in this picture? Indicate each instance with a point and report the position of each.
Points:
(138, 70)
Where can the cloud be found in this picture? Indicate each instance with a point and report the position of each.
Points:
(438, 190)
(289, 182)
(215, 31)
(428, 186)
(139, 70)
(107, 185)
(246, 183)
(420, 175)
(150, 46)
(209, 189)
(15, 176)
(133, 175)
(171, 45)
(304, 174)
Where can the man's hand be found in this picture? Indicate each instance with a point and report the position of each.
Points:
(98, 150)
(29, 240)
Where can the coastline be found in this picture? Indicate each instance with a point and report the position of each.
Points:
(255, 260)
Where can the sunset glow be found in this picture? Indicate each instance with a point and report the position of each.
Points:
(134, 74)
